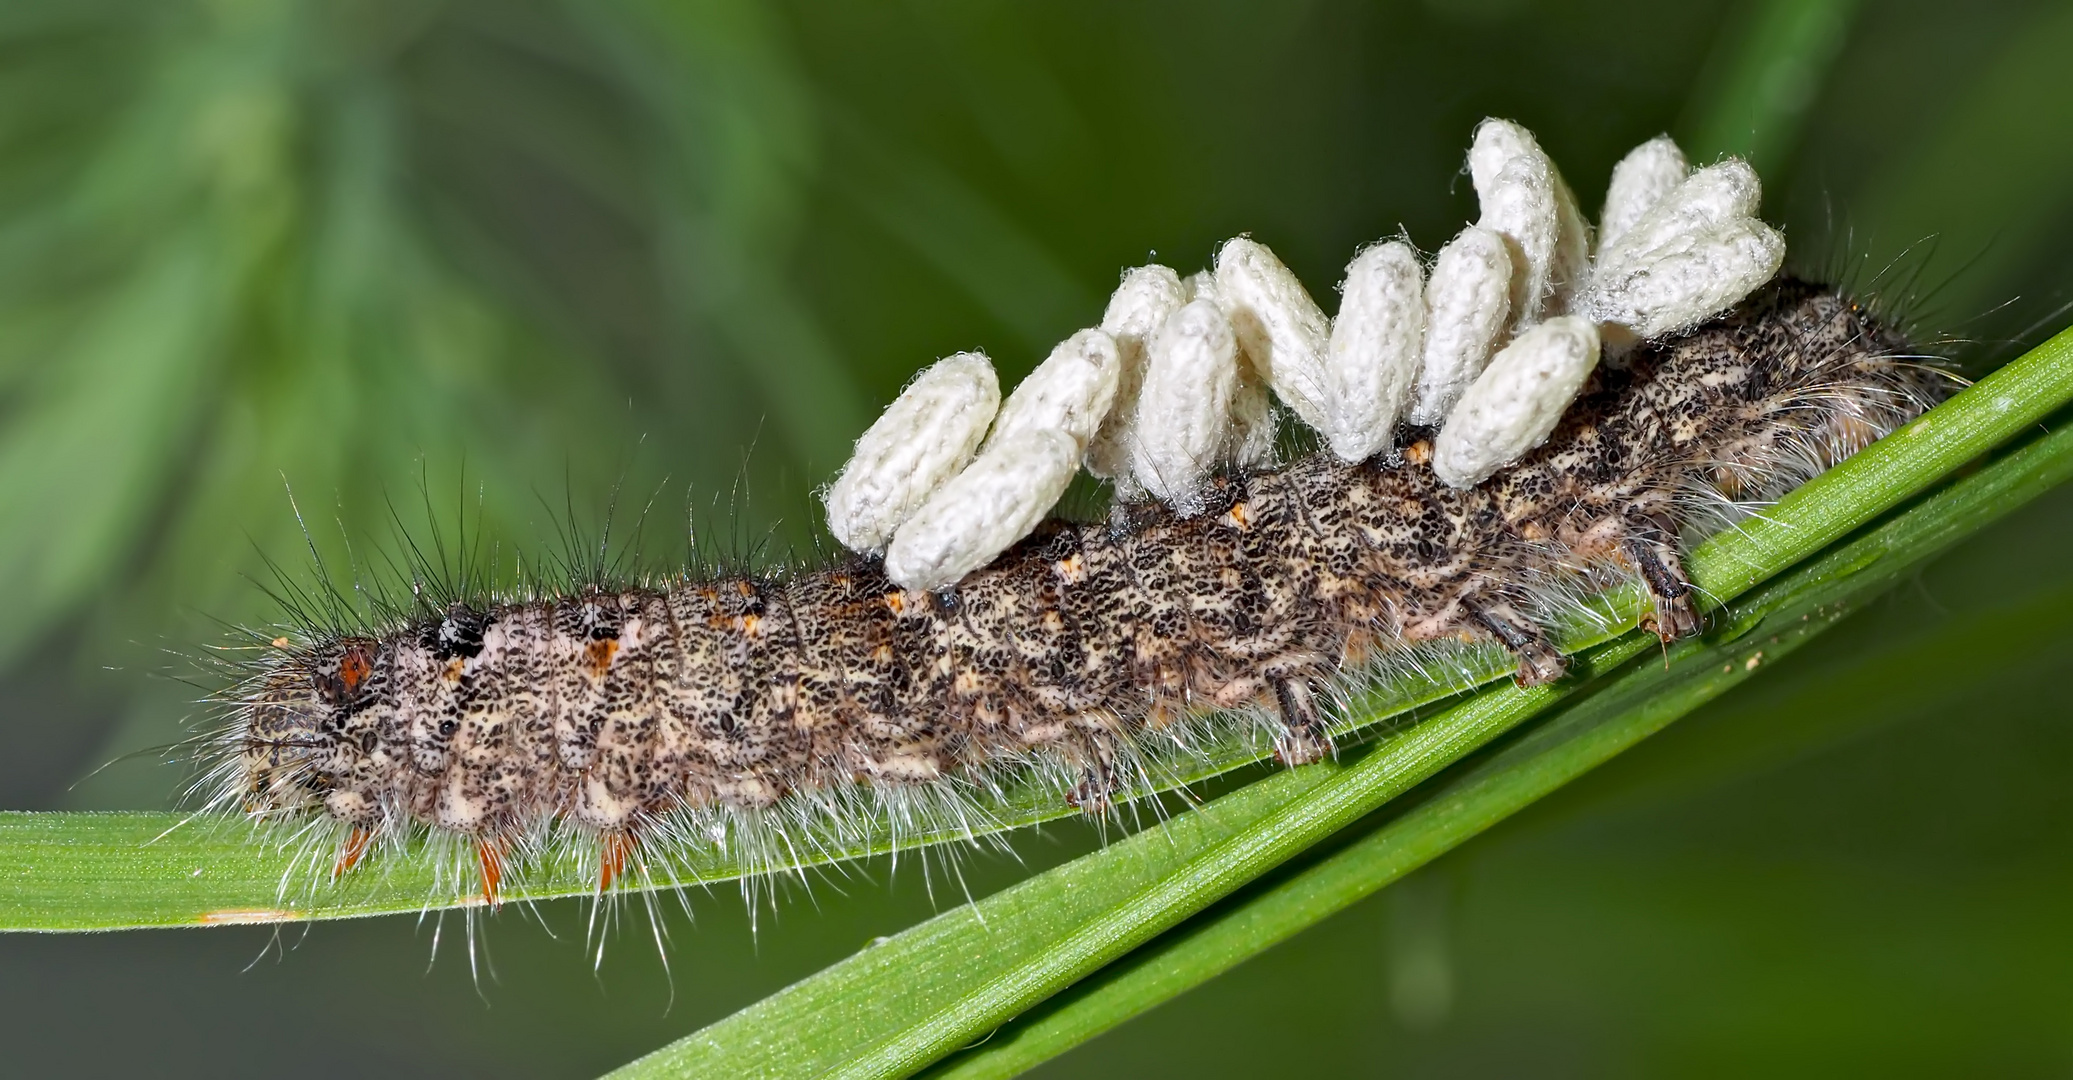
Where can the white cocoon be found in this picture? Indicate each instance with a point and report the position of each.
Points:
(1466, 302)
(926, 435)
(1135, 312)
(1070, 392)
(1639, 182)
(1525, 200)
(1250, 439)
(1282, 330)
(1184, 410)
(1002, 495)
(1517, 401)
(1693, 255)
(1376, 344)
(1682, 284)
(1708, 198)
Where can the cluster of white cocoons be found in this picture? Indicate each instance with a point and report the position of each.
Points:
(1489, 342)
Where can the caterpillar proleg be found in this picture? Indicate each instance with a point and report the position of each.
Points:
(1525, 421)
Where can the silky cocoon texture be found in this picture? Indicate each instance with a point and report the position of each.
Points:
(964, 525)
(1525, 200)
(928, 433)
(1070, 392)
(1688, 257)
(1377, 342)
(1184, 410)
(1135, 312)
(994, 502)
(1254, 426)
(1467, 305)
(1250, 442)
(1279, 326)
(1516, 401)
(1639, 182)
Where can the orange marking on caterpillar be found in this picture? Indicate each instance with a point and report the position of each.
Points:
(611, 858)
(354, 665)
(490, 857)
(356, 845)
(598, 654)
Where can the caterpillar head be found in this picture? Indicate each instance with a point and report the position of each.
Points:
(299, 729)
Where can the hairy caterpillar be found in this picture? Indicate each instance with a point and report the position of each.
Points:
(969, 639)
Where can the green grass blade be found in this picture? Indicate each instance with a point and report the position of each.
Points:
(1565, 747)
(902, 1005)
(74, 871)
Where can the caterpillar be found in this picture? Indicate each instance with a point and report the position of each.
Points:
(1537, 417)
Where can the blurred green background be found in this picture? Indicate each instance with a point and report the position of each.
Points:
(520, 254)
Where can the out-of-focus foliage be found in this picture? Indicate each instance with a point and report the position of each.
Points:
(528, 251)
(513, 255)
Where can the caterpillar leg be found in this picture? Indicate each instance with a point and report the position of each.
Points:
(1303, 738)
(1539, 662)
(1095, 794)
(1654, 553)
